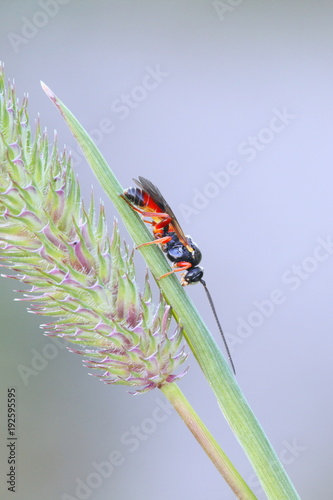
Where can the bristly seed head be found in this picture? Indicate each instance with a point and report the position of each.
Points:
(77, 275)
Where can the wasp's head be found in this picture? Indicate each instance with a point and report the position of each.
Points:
(193, 275)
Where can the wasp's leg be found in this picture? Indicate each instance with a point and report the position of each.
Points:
(182, 266)
(158, 241)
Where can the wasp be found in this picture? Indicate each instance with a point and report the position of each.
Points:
(148, 201)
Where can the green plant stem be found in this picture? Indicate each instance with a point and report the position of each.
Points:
(207, 441)
(232, 402)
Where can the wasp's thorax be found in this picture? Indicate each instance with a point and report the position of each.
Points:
(177, 252)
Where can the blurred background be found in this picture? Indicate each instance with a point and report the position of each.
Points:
(227, 107)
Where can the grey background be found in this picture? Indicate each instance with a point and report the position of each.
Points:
(226, 74)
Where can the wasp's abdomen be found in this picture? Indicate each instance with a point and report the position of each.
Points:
(136, 196)
(140, 198)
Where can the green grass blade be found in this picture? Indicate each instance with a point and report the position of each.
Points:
(232, 402)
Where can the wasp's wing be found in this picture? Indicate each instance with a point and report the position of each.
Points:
(157, 196)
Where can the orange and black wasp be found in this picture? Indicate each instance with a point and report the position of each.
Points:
(148, 201)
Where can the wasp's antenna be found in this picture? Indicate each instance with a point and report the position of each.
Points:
(218, 324)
